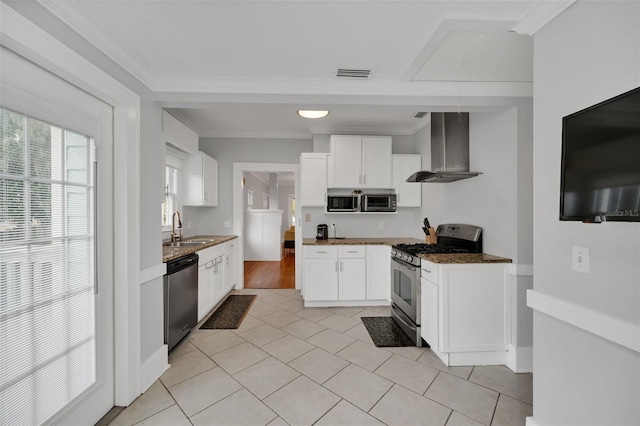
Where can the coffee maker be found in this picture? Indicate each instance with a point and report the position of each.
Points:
(323, 232)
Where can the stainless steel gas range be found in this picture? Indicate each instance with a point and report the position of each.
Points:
(405, 271)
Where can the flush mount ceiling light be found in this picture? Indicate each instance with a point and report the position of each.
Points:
(312, 114)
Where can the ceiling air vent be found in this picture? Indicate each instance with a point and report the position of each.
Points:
(420, 114)
(354, 73)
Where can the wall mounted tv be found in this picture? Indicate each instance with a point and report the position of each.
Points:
(600, 175)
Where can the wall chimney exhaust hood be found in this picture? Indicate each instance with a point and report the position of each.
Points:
(449, 149)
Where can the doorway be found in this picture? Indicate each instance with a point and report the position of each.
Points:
(269, 255)
(57, 264)
(284, 270)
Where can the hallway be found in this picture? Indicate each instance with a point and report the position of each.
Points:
(265, 274)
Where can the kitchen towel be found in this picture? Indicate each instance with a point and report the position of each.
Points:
(230, 313)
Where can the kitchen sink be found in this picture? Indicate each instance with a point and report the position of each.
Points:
(201, 240)
(185, 244)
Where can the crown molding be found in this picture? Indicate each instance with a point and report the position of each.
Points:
(68, 14)
(540, 15)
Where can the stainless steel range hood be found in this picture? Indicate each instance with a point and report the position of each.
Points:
(449, 149)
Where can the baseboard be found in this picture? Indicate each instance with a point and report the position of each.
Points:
(531, 422)
(520, 359)
(153, 368)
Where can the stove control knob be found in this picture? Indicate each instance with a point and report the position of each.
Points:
(410, 259)
(393, 252)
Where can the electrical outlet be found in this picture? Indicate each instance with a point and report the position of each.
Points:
(381, 225)
(307, 217)
(580, 259)
(227, 224)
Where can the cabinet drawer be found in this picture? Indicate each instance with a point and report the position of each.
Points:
(320, 252)
(347, 252)
(429, 271)
(208, 254)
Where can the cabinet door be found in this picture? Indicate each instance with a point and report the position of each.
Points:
(352, 279)
(409, 193)
(209, 181)
(429, 315)
(253, 236)
(320, 279)
(378, 273)
(231, 266)
(346, 155)
(376, 162)
(205, 290)
(272, 236)
(313, 180)
(218, 280)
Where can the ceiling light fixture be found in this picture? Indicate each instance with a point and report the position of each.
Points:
(312, 114)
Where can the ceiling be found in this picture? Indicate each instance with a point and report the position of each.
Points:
(242, 68)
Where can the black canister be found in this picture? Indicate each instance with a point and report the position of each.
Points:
(323, 232)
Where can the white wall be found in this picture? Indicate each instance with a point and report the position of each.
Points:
(227, 151)
(589, 53)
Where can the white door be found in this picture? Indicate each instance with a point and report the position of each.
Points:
(56, 309)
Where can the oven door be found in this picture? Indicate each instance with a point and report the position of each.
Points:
(405, 289)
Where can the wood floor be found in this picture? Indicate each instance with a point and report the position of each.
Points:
(271, 274)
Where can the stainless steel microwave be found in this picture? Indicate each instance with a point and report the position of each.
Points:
(378, 202)
(343, 203)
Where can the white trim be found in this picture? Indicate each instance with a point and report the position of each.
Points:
(540, 15)
(30, 41)
(152, 273)
(153, 368)
(238, 210)
(521, 270)
(520, 359)
(69, 14)
(531, 422)
(616, 330)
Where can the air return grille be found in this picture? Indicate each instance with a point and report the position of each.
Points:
(420, 114)
(354, 73)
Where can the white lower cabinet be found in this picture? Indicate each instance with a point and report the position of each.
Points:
(341, 275)
(216, 275)
(379, 272)
(465, 312)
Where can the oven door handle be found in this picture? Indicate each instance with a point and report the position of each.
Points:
(399, 318)
(406, 265)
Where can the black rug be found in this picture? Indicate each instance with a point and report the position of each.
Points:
(385, 332)
(230, 313)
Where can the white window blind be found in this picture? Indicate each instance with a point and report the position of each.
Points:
(47, 311)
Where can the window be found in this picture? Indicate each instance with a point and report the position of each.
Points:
(172, 177)
(170, 204)
(47, 305)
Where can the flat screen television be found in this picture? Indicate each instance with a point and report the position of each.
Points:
(600, 175)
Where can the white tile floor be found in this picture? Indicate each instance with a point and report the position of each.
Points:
(287, 365)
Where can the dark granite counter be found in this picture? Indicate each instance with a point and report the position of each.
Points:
(360, 241)
(459, 258)
(171, 253)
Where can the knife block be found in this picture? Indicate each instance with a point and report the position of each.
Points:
(431, 238)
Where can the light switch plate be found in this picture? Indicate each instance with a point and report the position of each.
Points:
(580, 259)
(307, 217)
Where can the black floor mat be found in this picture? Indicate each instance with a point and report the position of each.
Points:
(230, 313)
(385, 332)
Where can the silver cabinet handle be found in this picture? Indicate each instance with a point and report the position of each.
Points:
(352, 251)
(341, 266)
(324, 252)
(336, 265)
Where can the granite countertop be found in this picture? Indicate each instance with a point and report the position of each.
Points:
(171, 253)
(459, 258)
(360, 241)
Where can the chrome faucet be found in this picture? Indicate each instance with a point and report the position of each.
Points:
(176, 237)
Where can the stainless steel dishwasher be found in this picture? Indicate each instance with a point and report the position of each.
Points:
(180, 298)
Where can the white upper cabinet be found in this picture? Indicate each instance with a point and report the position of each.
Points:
(409, 193)
(313, 179)
(201, 181)
(179, 135)
(360, 162)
